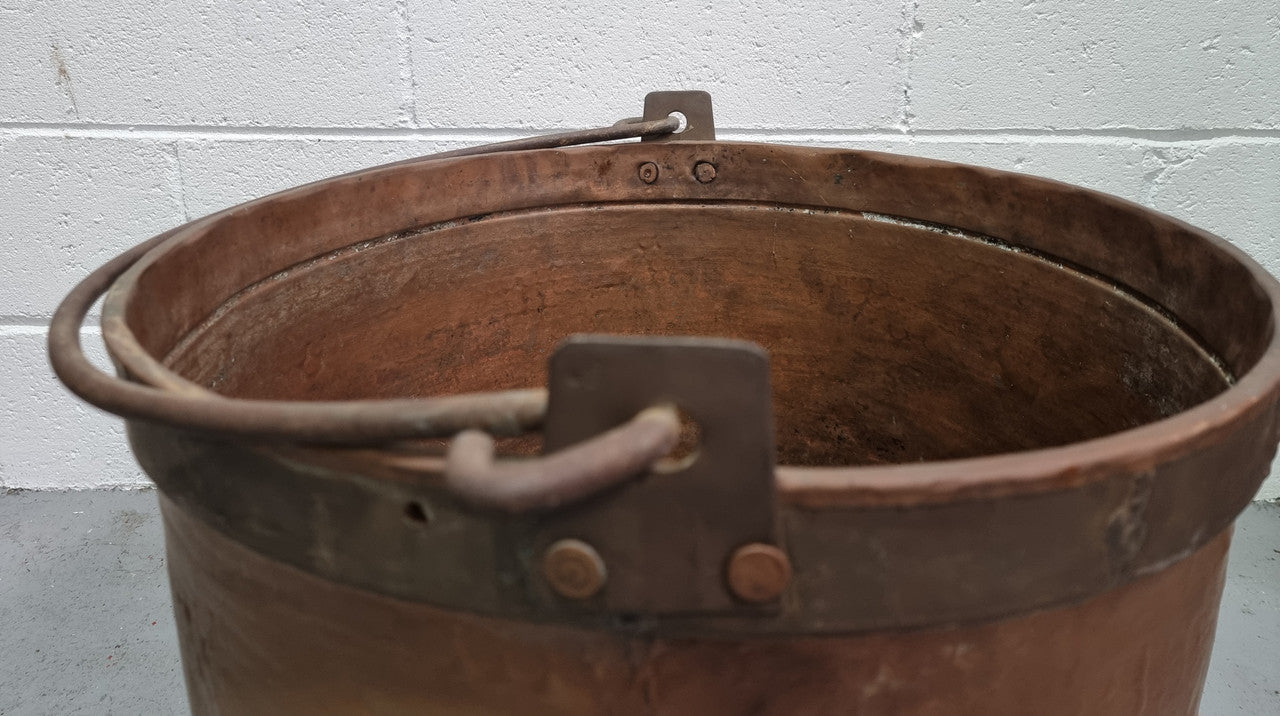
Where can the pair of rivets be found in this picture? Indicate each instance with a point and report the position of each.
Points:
(756, 572)
(704, 172)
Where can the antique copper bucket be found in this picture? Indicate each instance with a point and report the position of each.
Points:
(961, 441)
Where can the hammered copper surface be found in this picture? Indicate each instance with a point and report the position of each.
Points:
(259, 637)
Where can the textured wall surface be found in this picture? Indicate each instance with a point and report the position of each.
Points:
(121, 119)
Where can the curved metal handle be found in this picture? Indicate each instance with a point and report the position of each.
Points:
(543, 483)
(359, 422)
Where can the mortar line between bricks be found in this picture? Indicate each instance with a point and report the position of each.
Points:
(29, 327)
(409, 96)
(463, 134)
(909, 31)
(182, 181)
(40, 324)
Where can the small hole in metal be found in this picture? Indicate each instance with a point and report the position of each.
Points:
(626, 620)
(417, 513)
(684, 121)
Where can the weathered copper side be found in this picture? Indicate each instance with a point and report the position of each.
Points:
(856, 566)
(892, 341)
(259, 637)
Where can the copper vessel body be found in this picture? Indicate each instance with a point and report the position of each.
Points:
(998, 429)
(259, 636)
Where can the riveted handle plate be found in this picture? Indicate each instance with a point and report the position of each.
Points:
(667, 537)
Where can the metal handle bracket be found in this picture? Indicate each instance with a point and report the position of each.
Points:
(667, 538)
(695, 105)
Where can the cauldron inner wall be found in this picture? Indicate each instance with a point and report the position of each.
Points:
(889, 342)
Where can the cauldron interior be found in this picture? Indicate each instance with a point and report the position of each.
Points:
(891, 340)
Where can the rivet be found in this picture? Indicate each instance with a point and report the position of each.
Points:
(574, 569)
(705, 172)
(648, 172)
(758, 572)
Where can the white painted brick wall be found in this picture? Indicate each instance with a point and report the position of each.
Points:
(120, 119)
(768, 64)
(71, 203)
(157, 63)
(1093, 64)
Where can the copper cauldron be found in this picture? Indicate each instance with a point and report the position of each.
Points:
(824, 432)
